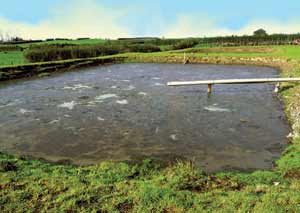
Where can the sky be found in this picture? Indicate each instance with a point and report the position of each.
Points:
(41, 19)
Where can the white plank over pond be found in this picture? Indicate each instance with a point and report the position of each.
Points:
(232, 81)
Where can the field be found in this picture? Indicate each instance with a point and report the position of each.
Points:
(119, 187)
(11, 58)
(8, 58)
(83, 41)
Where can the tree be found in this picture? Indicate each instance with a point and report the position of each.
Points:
(1, 36)
(17, 39)
(260, 33)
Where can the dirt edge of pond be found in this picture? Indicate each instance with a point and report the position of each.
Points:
(45, 69)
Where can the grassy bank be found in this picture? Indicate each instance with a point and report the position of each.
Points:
(119, 187)
(11, 58)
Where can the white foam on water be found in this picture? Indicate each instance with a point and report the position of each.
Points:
(24, 111)
(158, 84)
(131, 87)
(77, 87)
(156, 130)
(106, 96)
(125, 80)
(142, 93)
(54, 122)
(174, 137)
(100, 119)
(7, 105)
(68, 105)
(91, 104)
(216, 109)
(114, 87)
(13, 103)
(122, 102)
(156, 78)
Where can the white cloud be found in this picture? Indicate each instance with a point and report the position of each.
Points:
(88, 18)
(77, 19)
(199, 26)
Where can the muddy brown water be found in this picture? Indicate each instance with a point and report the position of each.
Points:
(127, 113)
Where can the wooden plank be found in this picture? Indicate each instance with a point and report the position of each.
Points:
(233, 81)
(209, 88)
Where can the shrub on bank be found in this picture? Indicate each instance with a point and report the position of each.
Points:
(4, 48)
(188, 43)
(42, 53)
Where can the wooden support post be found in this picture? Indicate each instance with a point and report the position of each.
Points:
(277, 87)
(209, 88)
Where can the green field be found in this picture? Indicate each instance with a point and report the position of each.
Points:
(286, 51)
(34, 185)
(292, 52)
(12, 58)
(8, 58)
(84, 41)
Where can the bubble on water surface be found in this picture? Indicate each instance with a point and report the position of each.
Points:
(174, 137)
(100, 119)
(216, 109)
(122, 102)
(142, 93)
(54, 122)
(131, 87)
(11, 103)
(24, 111)
(68, 105)
(106, 96)
(77, 87)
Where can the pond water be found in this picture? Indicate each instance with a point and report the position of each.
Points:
(127, 113)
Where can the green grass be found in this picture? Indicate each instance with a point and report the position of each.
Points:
(33, 185)
(119, 187)
(12, 58)
(9, 58)
(290, 52)
(287, 51)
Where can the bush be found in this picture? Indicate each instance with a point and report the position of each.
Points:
(188, 43)
(10, 48)
(143, 48)
(55, 52)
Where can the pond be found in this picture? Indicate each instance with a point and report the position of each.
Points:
(125, 112)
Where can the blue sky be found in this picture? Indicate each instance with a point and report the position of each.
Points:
(171, 18)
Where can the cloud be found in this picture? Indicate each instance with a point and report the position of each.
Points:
(199, 26)
(89, 18)
(72, 20)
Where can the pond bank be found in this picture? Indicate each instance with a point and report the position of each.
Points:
(43, 69)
